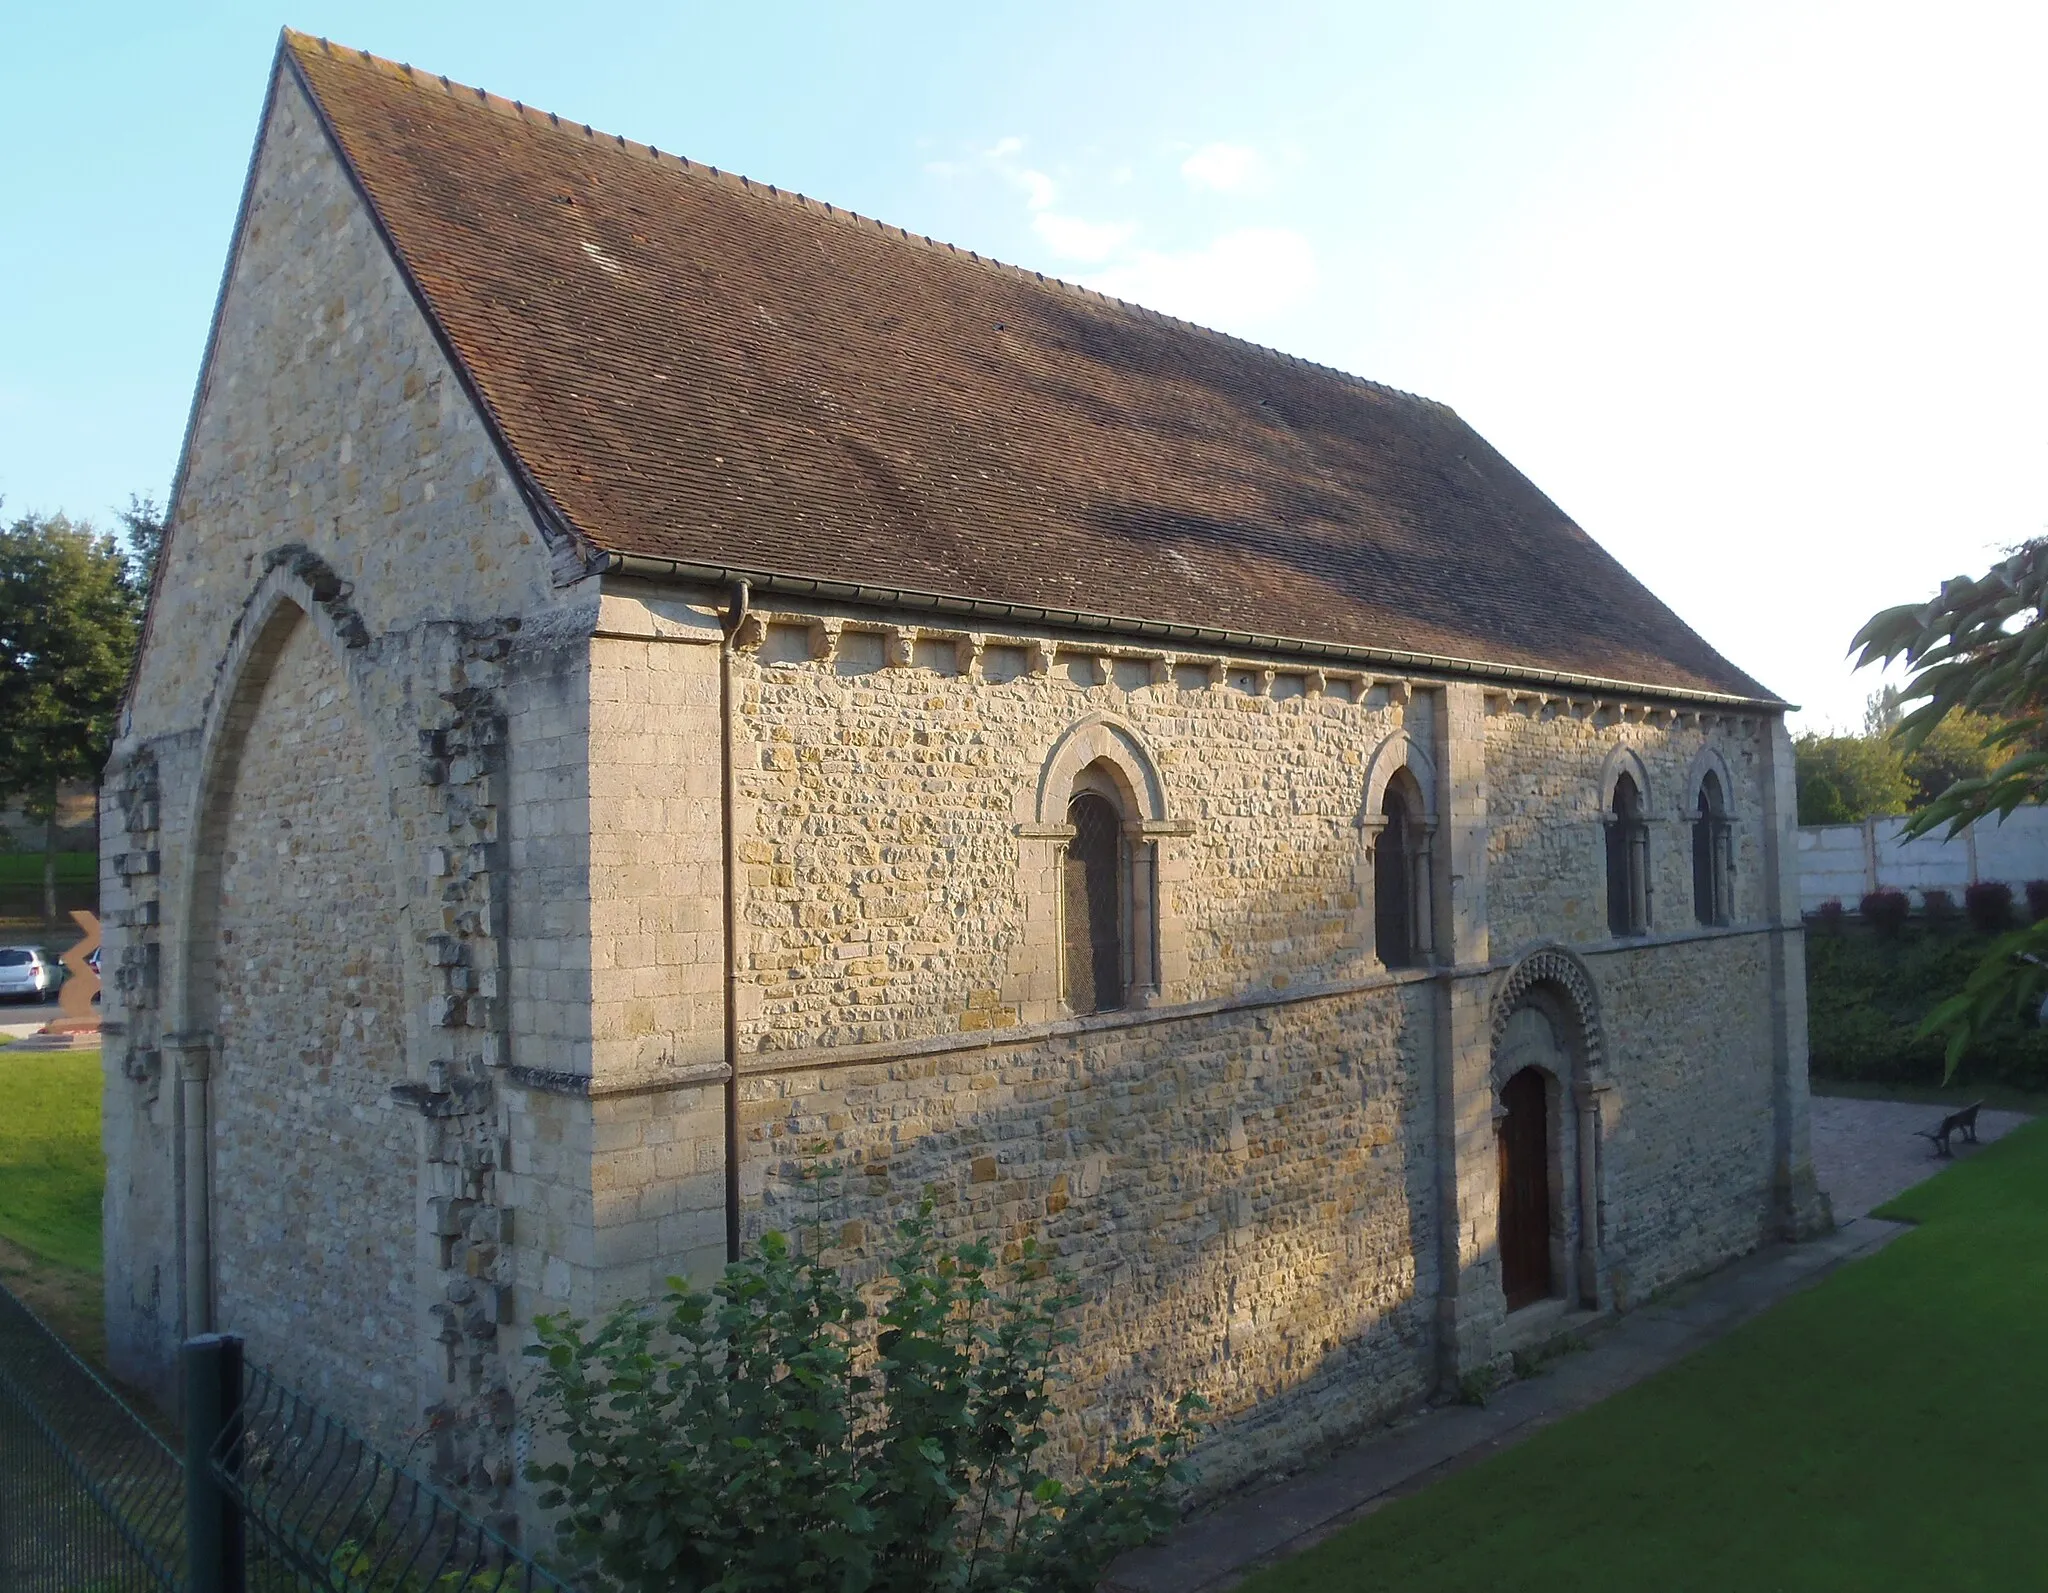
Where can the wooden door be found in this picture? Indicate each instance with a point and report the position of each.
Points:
(1525, 1190)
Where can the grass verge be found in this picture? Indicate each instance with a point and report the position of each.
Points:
(26, 868)
(51, 1179)
(1879, 1431)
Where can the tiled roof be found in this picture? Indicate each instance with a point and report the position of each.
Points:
(690, 366)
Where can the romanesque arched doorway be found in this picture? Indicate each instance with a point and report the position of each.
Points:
(1525, 1218)
(1547, 1090)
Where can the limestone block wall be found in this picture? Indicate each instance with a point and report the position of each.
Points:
(337, 471)
(1245, 1197)
(328, 417)
(1687, 1123)
(883, 869)
(1546, 759)
(315, 1165)
(655, 999)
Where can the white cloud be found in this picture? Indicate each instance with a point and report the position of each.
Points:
(1222, 168)
(1003, 148)
(1234, 281)
(1039, 190)
(1074, 239)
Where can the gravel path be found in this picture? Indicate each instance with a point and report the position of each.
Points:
(1865, 1152)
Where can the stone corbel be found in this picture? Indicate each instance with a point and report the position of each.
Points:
(899, 643)
(1041, 653)
(751, 631)
(967, 652)
(1316, 682)
(1399, 692)
(824, 640)
(1162, 669)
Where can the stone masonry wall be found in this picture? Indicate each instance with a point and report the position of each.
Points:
(337, 465)
(882, 868)
(315, 1165)
(1245, 1199)
(1687, 1142)
(1546, 852)
(329, 418)
(1247, 1192)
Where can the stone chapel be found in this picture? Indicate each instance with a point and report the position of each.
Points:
(651, 674)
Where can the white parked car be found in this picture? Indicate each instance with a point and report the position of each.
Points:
(25, 975)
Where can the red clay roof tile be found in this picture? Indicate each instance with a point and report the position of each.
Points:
(695, 367)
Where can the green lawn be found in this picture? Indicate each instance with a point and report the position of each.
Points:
(51, 1173)
(1883, 1430)
(26, 868)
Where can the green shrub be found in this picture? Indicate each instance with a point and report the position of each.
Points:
(1885, 910)
(1989, 904)
(757, 1437)
(1868, 992)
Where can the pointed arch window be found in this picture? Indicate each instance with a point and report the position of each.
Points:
(1713, 854)
(1400, 876)
(1628, 860)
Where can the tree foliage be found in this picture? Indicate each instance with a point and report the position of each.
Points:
(69, 617)
(772, 1434)
(1978, 655)
(1847, 779)
(145, 522)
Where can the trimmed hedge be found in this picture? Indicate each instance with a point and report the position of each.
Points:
(1867, 992)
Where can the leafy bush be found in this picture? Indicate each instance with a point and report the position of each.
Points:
(1885, 911)
(2037, 899)
(758, 1438)
(1830, 915)
(1867, 994)
(1989, 904)
(1939, 905)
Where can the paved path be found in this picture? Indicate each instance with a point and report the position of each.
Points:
(1864, 1153)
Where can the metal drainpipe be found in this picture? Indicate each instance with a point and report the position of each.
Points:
(735, 615)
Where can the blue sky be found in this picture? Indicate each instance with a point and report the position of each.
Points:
(1754, 291)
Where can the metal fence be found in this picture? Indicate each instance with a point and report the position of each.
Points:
(271, 1494)
(321, 1510)
(91, 1499)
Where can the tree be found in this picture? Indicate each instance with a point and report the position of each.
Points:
(69, 618)
(1978, 654)
(1959, 748)
(144, 522)
(1847, 779)
(1881, 712)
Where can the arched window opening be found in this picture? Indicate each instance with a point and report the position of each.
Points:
(1628, 861)
(1095, 905)
(1400, 874)
(1713, 855)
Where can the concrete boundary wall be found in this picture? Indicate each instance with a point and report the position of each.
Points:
(1840, 862)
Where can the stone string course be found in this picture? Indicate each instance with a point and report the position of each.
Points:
(462, 1060)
